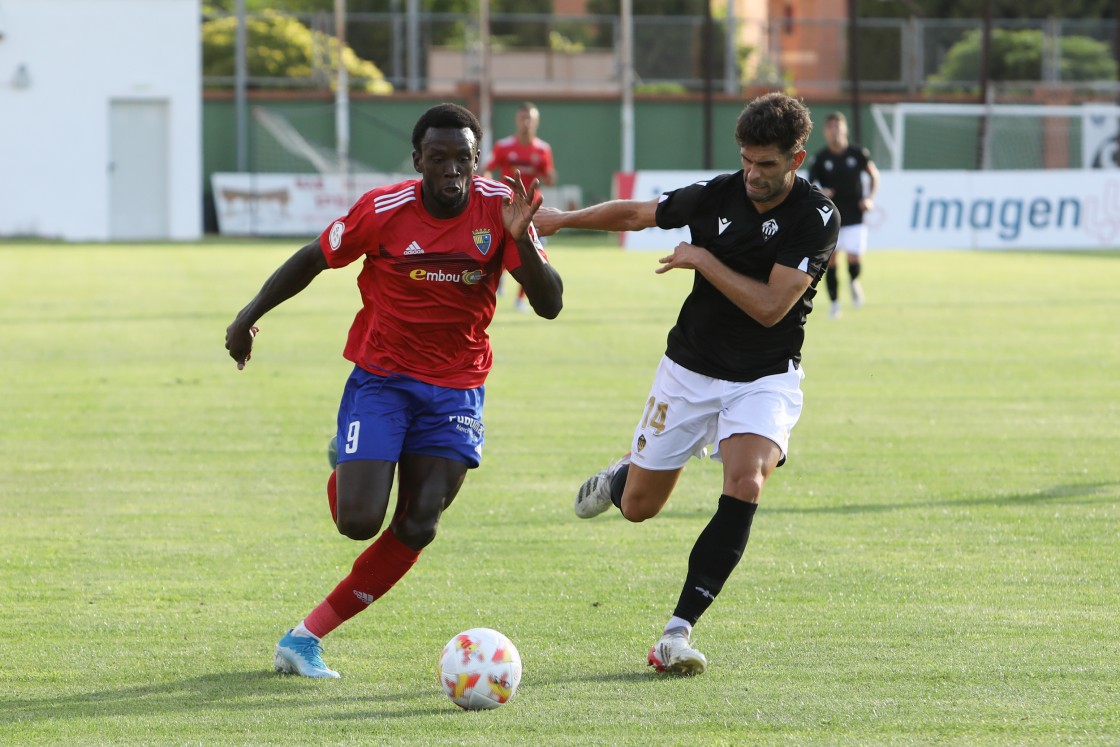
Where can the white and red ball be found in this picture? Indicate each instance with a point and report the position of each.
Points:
(479, 669)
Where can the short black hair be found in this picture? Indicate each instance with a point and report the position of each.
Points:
(774, 119)
(450, 116)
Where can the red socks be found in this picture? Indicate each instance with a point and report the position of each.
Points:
(376, 570)
(332, 495)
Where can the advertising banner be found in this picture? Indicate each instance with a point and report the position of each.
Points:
(1046, 209)
(305, 204)
(287, 204)
(1051, 209)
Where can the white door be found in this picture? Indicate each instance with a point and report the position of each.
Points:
(138, 170)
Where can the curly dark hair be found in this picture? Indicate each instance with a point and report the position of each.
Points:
(451, 116)
(774, 119)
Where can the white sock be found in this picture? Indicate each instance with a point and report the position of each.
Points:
(301, 630)
(678, 622)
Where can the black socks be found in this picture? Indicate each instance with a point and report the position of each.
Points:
(618, 482)
(716, 553)
(832, 280)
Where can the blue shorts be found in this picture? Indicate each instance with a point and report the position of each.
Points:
(382, 417)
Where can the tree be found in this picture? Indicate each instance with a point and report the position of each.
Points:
(297, 7)
(378, 42)
(280, 46)
(1004, 9)
(1017, 55)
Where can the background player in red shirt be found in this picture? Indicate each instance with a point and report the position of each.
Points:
(433, 250)
(525, 152)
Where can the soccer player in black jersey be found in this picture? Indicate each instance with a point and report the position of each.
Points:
(731, 374)
(838, 170)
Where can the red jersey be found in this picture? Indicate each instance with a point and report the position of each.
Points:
(428, 285)
(534, 159)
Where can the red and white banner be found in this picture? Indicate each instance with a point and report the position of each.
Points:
(287, 204)
(305, 204)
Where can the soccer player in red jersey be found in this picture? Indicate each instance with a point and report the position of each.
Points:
(524, 152)
(433, 250)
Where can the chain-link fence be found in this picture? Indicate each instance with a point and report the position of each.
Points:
(573, 54)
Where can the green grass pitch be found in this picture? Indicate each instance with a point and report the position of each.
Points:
(938, 563)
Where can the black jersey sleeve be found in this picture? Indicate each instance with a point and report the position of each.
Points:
(680, 207)
(813, 238)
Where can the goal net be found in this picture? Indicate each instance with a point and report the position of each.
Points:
(279, 146)
(288, 144)
(912, 136)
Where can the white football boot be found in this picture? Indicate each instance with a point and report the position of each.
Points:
(594, 496)
(673, 653)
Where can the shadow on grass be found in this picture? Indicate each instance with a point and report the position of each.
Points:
(1085, 493)
(630, 677)
(256, 691)
(220, 691)
(538, 683)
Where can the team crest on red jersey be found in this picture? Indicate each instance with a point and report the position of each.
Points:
(482, 239)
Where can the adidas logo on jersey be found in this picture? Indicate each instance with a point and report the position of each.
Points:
(413, 248)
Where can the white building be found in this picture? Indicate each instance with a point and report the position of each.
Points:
(100, 119)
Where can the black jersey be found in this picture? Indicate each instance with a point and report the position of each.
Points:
(713, 336)
(842, 173)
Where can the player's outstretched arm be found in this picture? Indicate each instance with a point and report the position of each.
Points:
(615, 215)
(289, 279)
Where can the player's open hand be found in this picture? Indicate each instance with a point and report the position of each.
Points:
(239, 343)
(685, 256)
(519, 208)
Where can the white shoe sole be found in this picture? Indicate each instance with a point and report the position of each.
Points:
(284, 666)
(689, 665)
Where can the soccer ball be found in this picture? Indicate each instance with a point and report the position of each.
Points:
(479, 669)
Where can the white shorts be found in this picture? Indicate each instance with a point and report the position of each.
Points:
(687, 412)
(852, 239)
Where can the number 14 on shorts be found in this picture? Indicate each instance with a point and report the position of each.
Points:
(654, 416)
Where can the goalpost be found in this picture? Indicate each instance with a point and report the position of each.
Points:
(911, 136)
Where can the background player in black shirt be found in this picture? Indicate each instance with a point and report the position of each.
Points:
(731, 375)
(838, 169)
